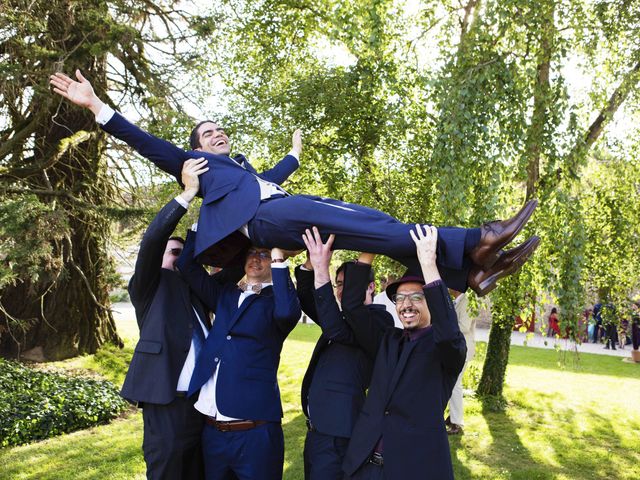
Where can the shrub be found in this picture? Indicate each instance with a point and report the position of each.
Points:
(35, 404)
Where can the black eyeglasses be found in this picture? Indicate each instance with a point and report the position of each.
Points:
(399, 298)
(175, 251)
(260, 255)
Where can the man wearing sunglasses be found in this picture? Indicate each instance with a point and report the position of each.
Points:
(236, 371)
(173, 325)
(242, 206)
(334, 385)
(400, 433)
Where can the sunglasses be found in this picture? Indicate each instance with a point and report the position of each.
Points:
(260, 255)
(399, 298)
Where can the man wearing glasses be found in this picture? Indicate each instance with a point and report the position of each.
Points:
(401, 432)
(236, 371)
(339, 372)
(173, 325)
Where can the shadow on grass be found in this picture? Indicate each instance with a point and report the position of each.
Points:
(592, 447)
(569, 361)
(580, 446)
(507, 454)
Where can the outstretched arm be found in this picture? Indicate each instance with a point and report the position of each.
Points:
(288, 164)
(165, 155)
(79, 93)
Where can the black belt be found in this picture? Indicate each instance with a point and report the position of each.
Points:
(181, 394)
(376, 459)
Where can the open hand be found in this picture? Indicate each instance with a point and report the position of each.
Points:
(191, 170)
(296, 141)
(79, 92)
(426, 240)
(319, 255)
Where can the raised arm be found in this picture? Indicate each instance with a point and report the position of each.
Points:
(154, 241)
(288, 164)
(305, 289)
(329, 314)
(449, 340)
(287, 307)
(369, 323)
(165, 155)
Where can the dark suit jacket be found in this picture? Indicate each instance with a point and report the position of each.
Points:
(164, 311)
(231, 193)
(245, 342)
(409, 392)
(335, 383)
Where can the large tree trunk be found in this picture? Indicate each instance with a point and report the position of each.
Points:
(63, 310)
(504, 316)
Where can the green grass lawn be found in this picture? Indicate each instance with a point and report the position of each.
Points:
(566, 419)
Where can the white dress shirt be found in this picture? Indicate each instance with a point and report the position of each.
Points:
(206, 403)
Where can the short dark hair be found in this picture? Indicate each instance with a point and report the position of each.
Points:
(372, 273)
(194, 138)
(177, 239)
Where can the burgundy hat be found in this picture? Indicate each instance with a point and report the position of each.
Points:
(392, 288)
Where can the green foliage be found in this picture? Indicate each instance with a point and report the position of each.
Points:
(35, 405)
(27, 228)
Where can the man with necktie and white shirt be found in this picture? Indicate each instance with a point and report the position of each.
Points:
(236, 372)
(173, 327)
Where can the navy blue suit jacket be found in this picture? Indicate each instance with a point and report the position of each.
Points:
(231, 193)
(409, 391)
(339, 372)
(245, 342)
(164, 311)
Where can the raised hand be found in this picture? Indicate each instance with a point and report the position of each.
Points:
(296, 141)
(426, 242)
(319, 255)
(191, 170)
(79, 92)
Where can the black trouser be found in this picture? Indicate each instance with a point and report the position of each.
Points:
(611, 335)
(323, 456)
(172, 440)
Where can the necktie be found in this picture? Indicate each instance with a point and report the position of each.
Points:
(198, 337)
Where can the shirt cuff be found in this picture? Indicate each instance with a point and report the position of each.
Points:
(182, 202)
(105, 114)
(284, 264)
(295, 155)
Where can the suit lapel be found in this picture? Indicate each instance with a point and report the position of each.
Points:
(407, 348)
(246, 303)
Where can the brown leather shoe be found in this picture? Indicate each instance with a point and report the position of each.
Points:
(483, 281)
(495, 235)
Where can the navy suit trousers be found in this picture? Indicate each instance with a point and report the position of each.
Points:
(323, 456)
(281, 221)
(255, 454)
